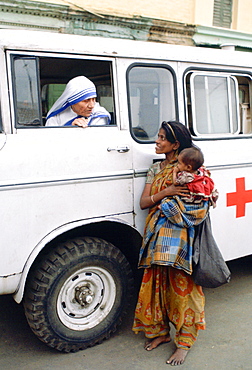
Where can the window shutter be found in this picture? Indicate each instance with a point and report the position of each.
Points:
(222, 16)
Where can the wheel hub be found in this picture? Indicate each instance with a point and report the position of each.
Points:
(84, 295)
(86, 298)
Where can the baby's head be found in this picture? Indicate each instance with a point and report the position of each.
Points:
(190, 159)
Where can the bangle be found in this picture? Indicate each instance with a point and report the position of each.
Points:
(152, 199)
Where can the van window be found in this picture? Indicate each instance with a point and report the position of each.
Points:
(151, 99)
(39, 81)
(218, 104)
(26, 92)
(1, 122)
(51, 93)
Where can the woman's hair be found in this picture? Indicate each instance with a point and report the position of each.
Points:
(192, 156)
(176, 131)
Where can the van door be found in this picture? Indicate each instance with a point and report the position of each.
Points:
(53, 176)
(218, 113)
(152, 99)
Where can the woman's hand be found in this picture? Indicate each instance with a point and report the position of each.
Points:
(148, 201)
(81, 122)
(176, 190)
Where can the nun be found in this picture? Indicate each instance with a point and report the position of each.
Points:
(77, 106)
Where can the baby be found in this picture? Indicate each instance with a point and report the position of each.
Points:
(190, 171)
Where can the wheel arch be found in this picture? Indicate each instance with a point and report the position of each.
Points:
(116, 231)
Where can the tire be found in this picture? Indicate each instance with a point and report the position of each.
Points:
(76, 295)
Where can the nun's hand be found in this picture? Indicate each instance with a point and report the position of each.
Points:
(81, 122)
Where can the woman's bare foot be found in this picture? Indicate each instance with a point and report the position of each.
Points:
(178, 357)
(154, 343)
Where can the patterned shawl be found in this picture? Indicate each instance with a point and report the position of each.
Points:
(169, 232)
(162, 179)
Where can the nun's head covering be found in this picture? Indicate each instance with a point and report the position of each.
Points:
(78, 89)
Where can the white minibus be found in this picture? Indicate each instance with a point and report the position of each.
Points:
(71, 221)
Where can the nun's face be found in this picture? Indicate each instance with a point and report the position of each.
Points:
(84, 108)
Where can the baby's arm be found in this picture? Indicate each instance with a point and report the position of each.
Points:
(174, 175)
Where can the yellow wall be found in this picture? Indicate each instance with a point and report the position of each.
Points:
(203, 12)
(242, 17)
(174, 10)
(199, 12)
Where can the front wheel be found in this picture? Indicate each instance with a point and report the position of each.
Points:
(76, 295)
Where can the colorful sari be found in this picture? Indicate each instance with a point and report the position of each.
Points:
(168, 294)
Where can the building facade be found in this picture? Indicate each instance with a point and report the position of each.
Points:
(209, 23)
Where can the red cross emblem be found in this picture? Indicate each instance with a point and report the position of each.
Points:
(240, 197)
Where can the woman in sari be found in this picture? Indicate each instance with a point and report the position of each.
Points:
(168, 293)
(77, 106)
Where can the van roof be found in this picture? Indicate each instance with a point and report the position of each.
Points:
(30, 40)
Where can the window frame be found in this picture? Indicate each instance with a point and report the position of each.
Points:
(230, 72)
(13, 58)
(175, 92)
(12, 54)
(229, 100)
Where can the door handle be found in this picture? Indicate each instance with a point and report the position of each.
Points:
(119, 149)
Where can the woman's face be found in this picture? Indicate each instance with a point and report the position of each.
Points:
(163, 146)
(84, 108)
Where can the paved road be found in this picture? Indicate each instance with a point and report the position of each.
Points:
(225, 345)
